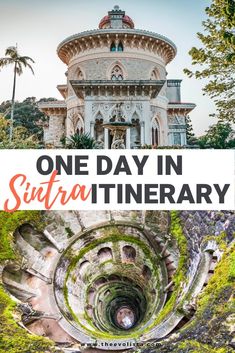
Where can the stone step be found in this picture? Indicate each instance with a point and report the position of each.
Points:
(52, 240)
(21, 288)
(59, 234)
(35, 260)
(35, 273)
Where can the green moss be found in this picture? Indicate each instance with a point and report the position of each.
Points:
(104, 263)
(215, 304)
(220, 240)
(223, 278)
(113, 235)
(177, 233)
(13, 338)
(180, 275)
(197, 347)
(9, 222)
(69, 232)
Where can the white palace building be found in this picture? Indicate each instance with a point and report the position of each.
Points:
(118, 67)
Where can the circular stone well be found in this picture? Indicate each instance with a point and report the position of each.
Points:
(112, 279)
(109, 284)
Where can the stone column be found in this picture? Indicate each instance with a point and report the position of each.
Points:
(106, 138)
(128, 138)
(147, 118)
(170, 139)
(88, 115)
(56, 130)
(92, 129)
(164, 128)
(142, 133)
(183, 138)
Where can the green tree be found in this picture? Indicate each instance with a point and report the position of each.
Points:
(219, 136)
(14, 58)
(216, 57)
(3, 130)
(190, 135)
(21, 138)
(27, 114)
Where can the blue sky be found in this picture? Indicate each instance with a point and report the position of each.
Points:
(39, 26)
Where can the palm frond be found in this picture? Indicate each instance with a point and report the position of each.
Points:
(30, 67)
(5, 62)
(12, 56)
(12, 52)
(19, 68)
(24, 60)
(27, 58)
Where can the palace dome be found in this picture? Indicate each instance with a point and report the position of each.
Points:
(105, 20)
(126, 21)
(129, 21)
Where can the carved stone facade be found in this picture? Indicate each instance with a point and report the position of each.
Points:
(118, 65)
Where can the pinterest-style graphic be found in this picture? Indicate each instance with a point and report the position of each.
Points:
(117, 176)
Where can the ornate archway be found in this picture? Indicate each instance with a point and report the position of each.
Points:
(155, 132)
(117, 73)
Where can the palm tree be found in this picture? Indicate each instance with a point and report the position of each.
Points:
(19, 62)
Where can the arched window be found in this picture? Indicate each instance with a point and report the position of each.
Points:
(146, 272)
(79, 131)
(80, 127)
(155, 133)
(129, 253)
(91, 296)
(113, 47)
(99, 282)
(120, 47)
(155, 141)
(79, 75)
(117, 47)
(117, 74)
(83, 268)
(155, 75)
(105, 254)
